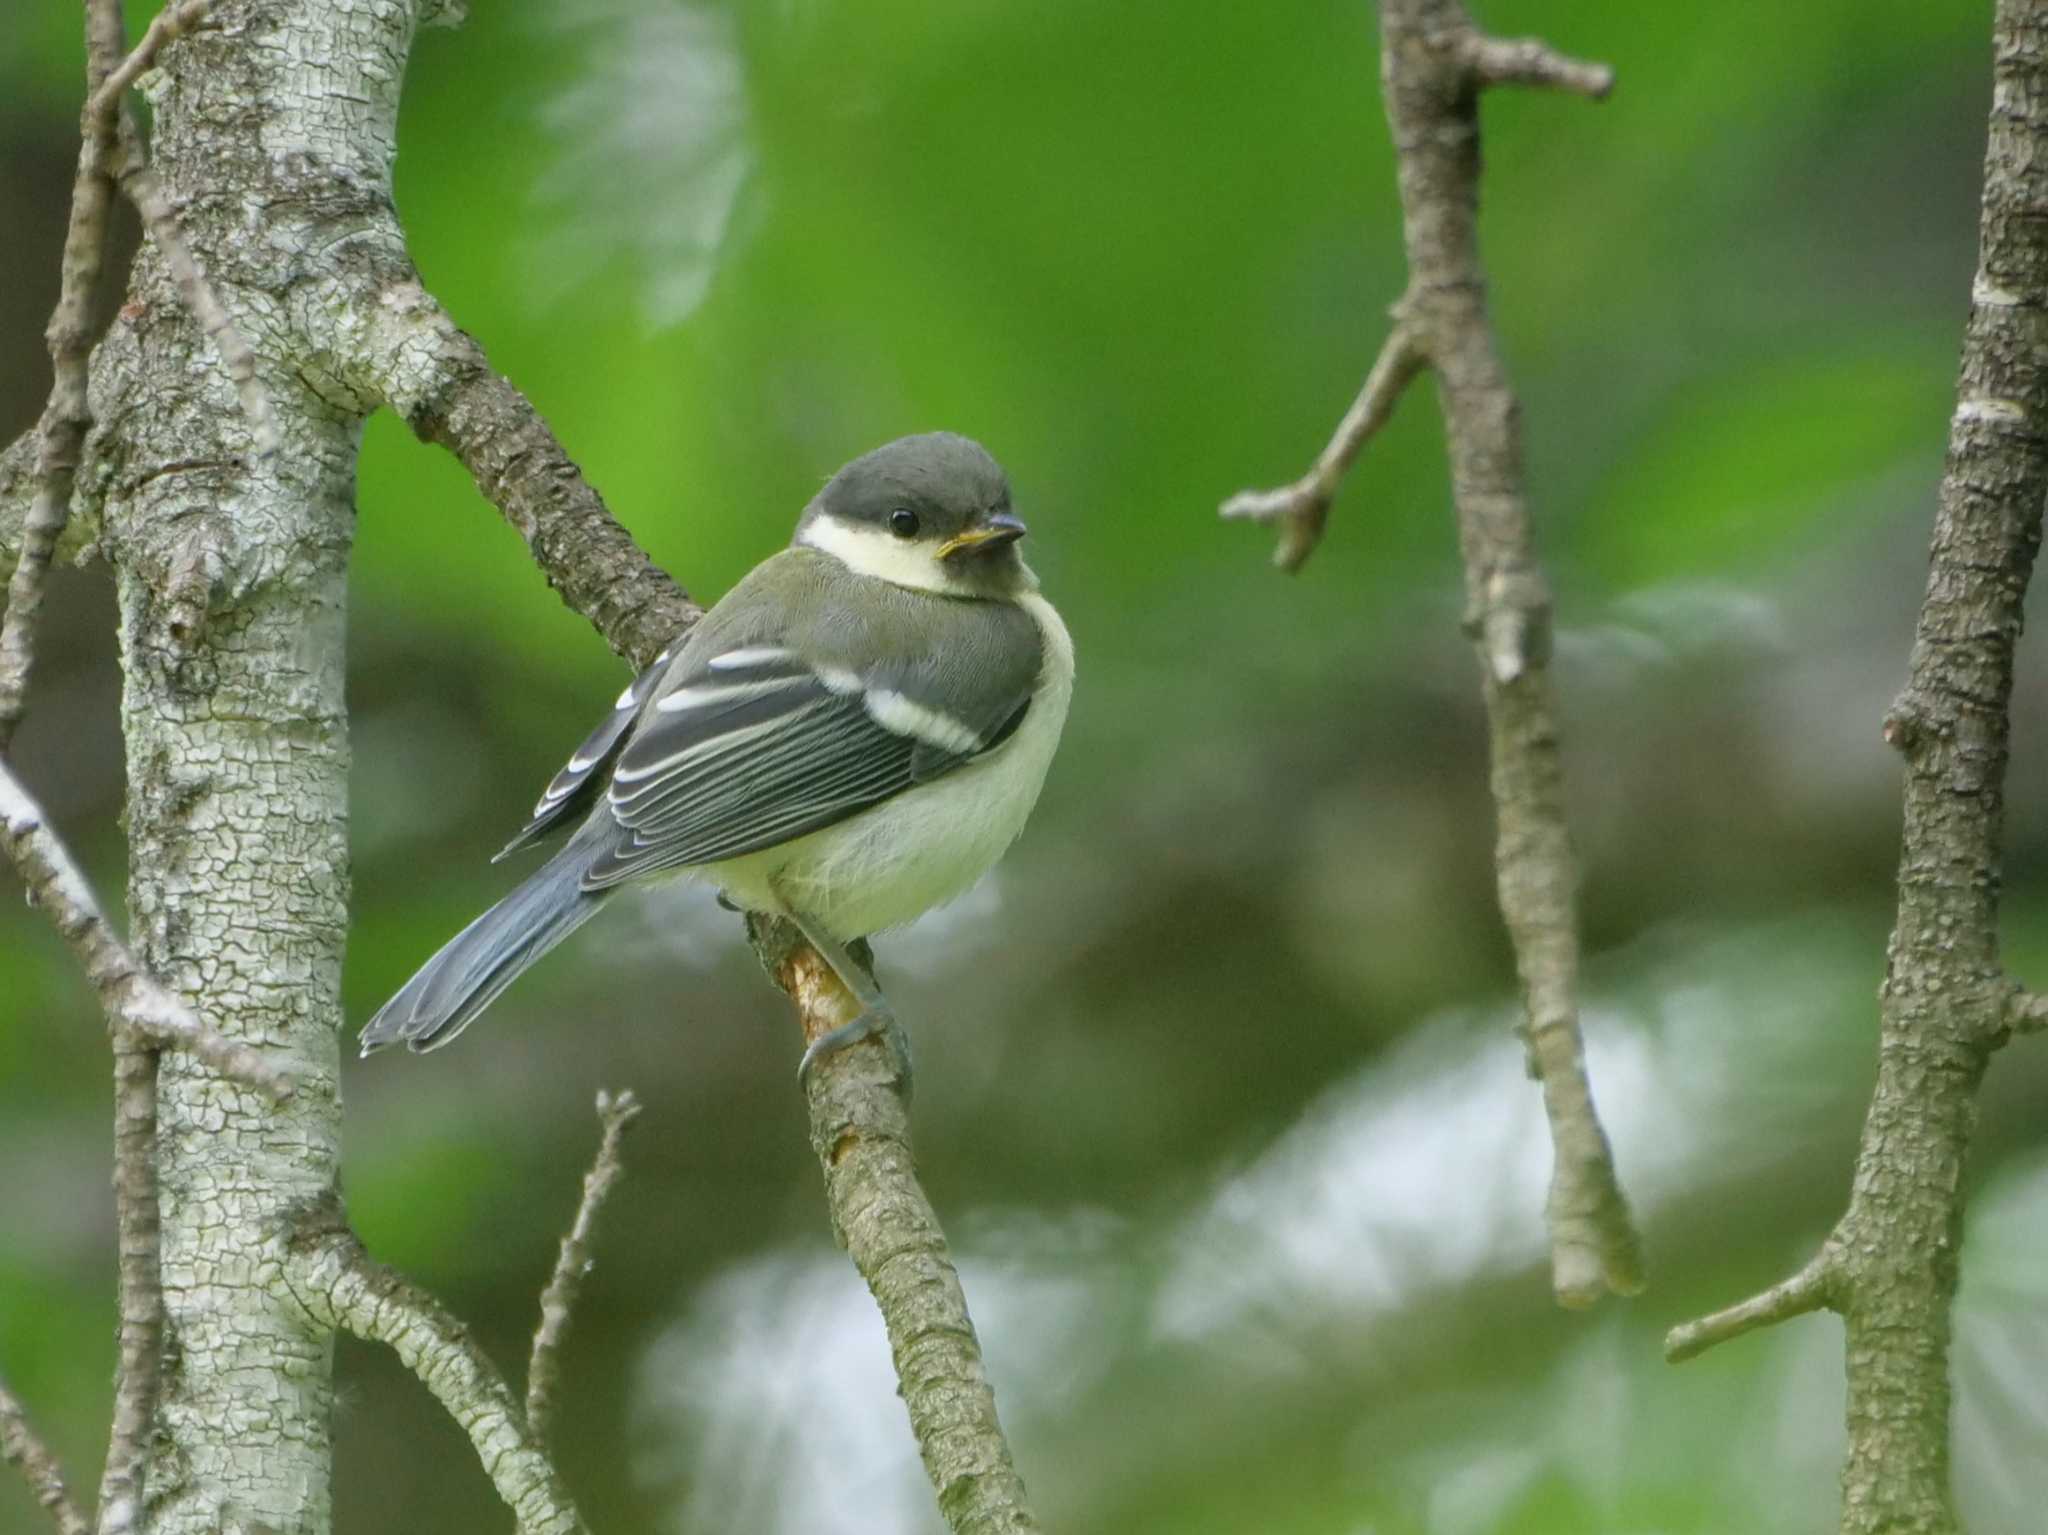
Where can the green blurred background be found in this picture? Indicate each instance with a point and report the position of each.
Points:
(1217, 1090)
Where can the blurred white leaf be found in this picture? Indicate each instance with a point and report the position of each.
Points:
(771, 1405)
(1429, 1169)
(653, 151)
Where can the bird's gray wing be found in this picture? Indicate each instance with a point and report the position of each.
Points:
(765, 742)
(575, 788)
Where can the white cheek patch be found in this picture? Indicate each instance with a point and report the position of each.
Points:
(872, 552)
(892, 711)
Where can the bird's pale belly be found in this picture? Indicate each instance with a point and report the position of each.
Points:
(889, 865)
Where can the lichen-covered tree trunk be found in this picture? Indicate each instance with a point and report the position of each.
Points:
(274, 134)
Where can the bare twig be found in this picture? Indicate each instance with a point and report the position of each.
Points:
(2026, 1012)
(437, 377)
(558, 1300)
(68, 416)
(142, 1297)
(21, 1446)
(1430, 53)
(1891, 1264)
(1302, 509)
(160, 219)
(860, 1130)
(172, 22)
(1434, 63)
(1805, 1291)
(110, 152)
(340, 1285)
(1531, 61)
(134, 1003)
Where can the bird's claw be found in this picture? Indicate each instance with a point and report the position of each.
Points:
(877, 1023)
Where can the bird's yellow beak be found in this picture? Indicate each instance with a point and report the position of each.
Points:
(1000, 529)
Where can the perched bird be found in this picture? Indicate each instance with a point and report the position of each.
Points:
(852, 736)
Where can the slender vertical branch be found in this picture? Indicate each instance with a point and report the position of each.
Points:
(68, 416)
(1434, 64)
(1891, 1264)
(171, 22)
(21, 1446)
(138, 1224)
(237, 357)
(860, 1130)
(558, 1299)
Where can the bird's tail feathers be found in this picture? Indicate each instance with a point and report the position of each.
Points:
(466, 976)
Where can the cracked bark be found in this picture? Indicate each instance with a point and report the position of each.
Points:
(1890, 1265)
(341, 1286)
(860, 1131)
(230, 574)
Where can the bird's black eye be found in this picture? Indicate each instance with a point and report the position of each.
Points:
(903, 522)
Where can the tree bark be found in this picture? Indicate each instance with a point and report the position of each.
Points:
(1890, 1266)
(231, 571)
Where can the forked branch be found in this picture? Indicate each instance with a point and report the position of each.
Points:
(1302, 510)
(341, 1286)
(1434, 64)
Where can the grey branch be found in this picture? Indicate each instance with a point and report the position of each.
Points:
(1434, 63)
(160, 219)
(110, 152)
(558, 1301)
(1428, 54)
(2026, 1012)
(1531, 61)
(860, 1130)
(418, 362)
(341, 1286)
(172, 22)
(21, 1446)
(1946, 1006)
(17, 503)
(138, 1222)
(60, 437)
(1302, 510)
(1807, 1290)
(134, 1003)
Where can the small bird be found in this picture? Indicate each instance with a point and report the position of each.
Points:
(851, 737)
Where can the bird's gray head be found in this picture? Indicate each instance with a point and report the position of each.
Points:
(931, 512)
